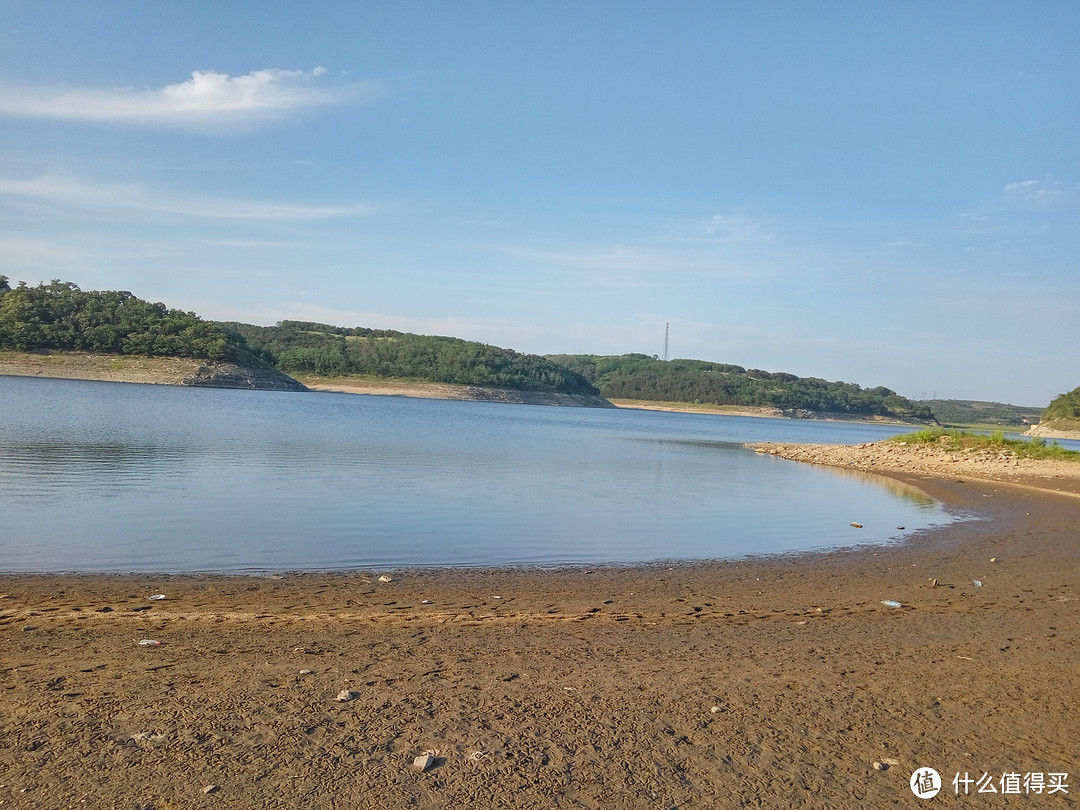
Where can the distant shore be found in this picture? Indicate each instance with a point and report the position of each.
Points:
(185, 371)
(471, 393)
(764, 412)
(1046, 432)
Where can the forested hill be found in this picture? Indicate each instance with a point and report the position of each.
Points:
(640, 377)
(1064, 412)
(59, 315)
(298, 347)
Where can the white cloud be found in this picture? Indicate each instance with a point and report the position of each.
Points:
(207, 100)
(737, 229)
(615, 257)
(1037, 191)
(101, 196)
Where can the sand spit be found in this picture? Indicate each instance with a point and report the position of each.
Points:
(930, 460)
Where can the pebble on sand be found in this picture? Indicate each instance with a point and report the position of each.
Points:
(386, 578)
(345, 695)
(211, 789)
(424, 762)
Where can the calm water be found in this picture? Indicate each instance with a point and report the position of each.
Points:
(116, 477)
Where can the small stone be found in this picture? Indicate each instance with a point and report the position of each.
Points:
(993, 559)
(307, 672)
(211, 789)
(881, 766)
(345, 695)
(423, 762)
(386, 578)
(716, 709)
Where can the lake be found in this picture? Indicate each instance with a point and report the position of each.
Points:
(115, 477)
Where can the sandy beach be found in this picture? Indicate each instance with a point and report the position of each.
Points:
(774, 682)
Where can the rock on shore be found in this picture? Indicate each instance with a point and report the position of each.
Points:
(928, 459)
(232, 375)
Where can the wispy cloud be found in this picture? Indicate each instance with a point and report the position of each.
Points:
(1043, 191)
(737, 229)
(615, 257)
(207, 100)
(77, 193)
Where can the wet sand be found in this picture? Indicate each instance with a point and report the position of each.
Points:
(774, 682)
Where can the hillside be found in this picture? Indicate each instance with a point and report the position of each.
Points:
(59, 330)
(1061, 417)
(640, 377)
(337, 352)
(964, 412)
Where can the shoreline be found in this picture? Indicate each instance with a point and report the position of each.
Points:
(774, 681)
(899, 459)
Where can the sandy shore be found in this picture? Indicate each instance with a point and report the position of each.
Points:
(922, 459)
(776, 682)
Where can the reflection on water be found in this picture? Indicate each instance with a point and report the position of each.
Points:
(898, 488)
(113, 477)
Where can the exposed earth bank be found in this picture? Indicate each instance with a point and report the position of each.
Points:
(153, 370)
(471, 393)
(1051, 432)
(749, 410)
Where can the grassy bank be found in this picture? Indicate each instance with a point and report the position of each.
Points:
(956, 441)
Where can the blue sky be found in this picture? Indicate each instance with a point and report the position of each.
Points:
(882, 193)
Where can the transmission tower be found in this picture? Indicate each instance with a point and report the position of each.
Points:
(667, 329)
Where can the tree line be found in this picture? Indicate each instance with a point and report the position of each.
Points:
(59, 315)
(639, 376)
(299, 347)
